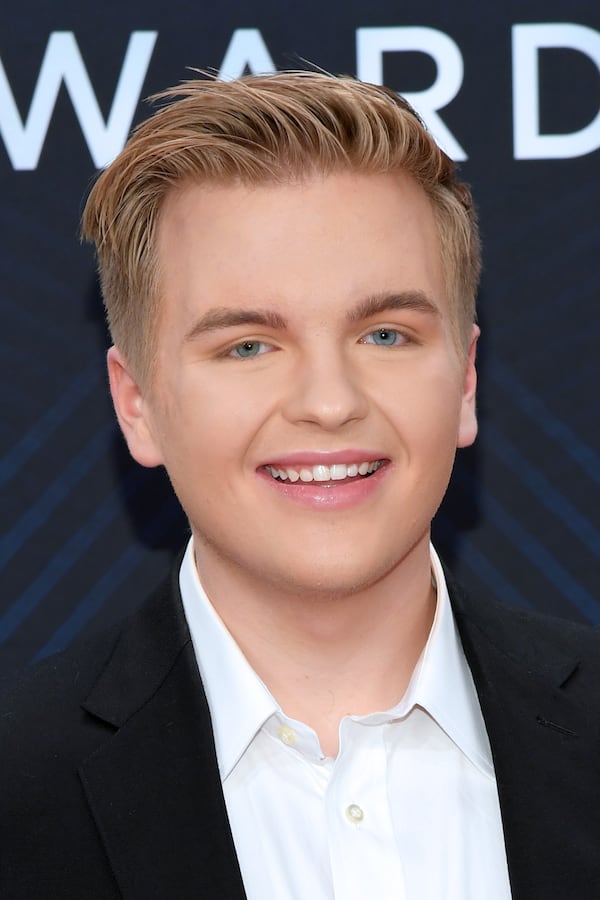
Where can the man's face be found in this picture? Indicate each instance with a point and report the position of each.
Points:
(308, 397)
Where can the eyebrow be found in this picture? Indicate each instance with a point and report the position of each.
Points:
(219, 318)
(381, 303)
(224, 317)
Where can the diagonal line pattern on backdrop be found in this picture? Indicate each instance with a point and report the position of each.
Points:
(552, 426)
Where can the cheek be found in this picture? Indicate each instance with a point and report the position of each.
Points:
(427, 404)
(208, 426)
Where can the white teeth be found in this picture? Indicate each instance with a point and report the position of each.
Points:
(336, 472)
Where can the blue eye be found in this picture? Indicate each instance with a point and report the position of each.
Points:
(384, 337)
(248, 349)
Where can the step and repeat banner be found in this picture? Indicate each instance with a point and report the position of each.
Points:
(512, 92)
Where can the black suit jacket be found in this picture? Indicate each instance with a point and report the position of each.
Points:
(110, 787)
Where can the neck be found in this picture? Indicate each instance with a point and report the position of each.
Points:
(325, 656)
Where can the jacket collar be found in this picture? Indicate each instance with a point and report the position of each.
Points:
(154, 787)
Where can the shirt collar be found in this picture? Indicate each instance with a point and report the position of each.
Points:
(240, 703)
(442, 683)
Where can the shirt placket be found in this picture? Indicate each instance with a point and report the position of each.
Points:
(364, 856)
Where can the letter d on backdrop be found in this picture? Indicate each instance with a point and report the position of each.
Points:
(527, 40)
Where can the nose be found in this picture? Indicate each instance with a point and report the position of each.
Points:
(326, 391)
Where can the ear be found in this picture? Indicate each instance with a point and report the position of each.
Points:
(467, 426)
(133, 411)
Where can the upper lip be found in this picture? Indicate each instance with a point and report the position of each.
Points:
(323, 458)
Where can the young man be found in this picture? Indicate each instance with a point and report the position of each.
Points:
(309, 710)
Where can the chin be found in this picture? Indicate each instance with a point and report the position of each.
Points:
(333, 577)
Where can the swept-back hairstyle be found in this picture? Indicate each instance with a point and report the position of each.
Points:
(263, 129)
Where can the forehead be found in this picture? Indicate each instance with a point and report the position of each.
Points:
(319, 243)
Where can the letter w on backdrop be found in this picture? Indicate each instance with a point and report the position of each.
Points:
(63, 63)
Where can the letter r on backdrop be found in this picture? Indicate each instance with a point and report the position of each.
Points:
(372, 43)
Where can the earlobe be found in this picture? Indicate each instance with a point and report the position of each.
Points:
(467, 427)
(132, 411)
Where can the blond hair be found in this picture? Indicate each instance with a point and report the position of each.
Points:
(262, 129)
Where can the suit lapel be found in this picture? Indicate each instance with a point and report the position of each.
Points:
(154, 788)
(541, 743)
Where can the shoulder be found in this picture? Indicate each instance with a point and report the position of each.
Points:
(65, 714)
(42, 706)
(491, 616)
(45, 735)
(42, 718)
(526, 640)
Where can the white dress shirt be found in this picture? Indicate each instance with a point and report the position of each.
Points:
(409, 808)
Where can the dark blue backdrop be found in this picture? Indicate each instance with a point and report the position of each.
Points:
(85, 533)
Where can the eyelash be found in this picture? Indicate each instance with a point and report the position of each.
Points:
(232, 351)
(400, 339)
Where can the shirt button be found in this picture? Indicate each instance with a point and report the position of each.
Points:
(354, 814)
(287, 735)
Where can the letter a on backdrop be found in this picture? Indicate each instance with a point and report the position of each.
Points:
(247, 51)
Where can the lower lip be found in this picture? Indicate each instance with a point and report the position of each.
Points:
(328, 495)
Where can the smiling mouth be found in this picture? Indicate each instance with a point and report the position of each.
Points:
(320, 473)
